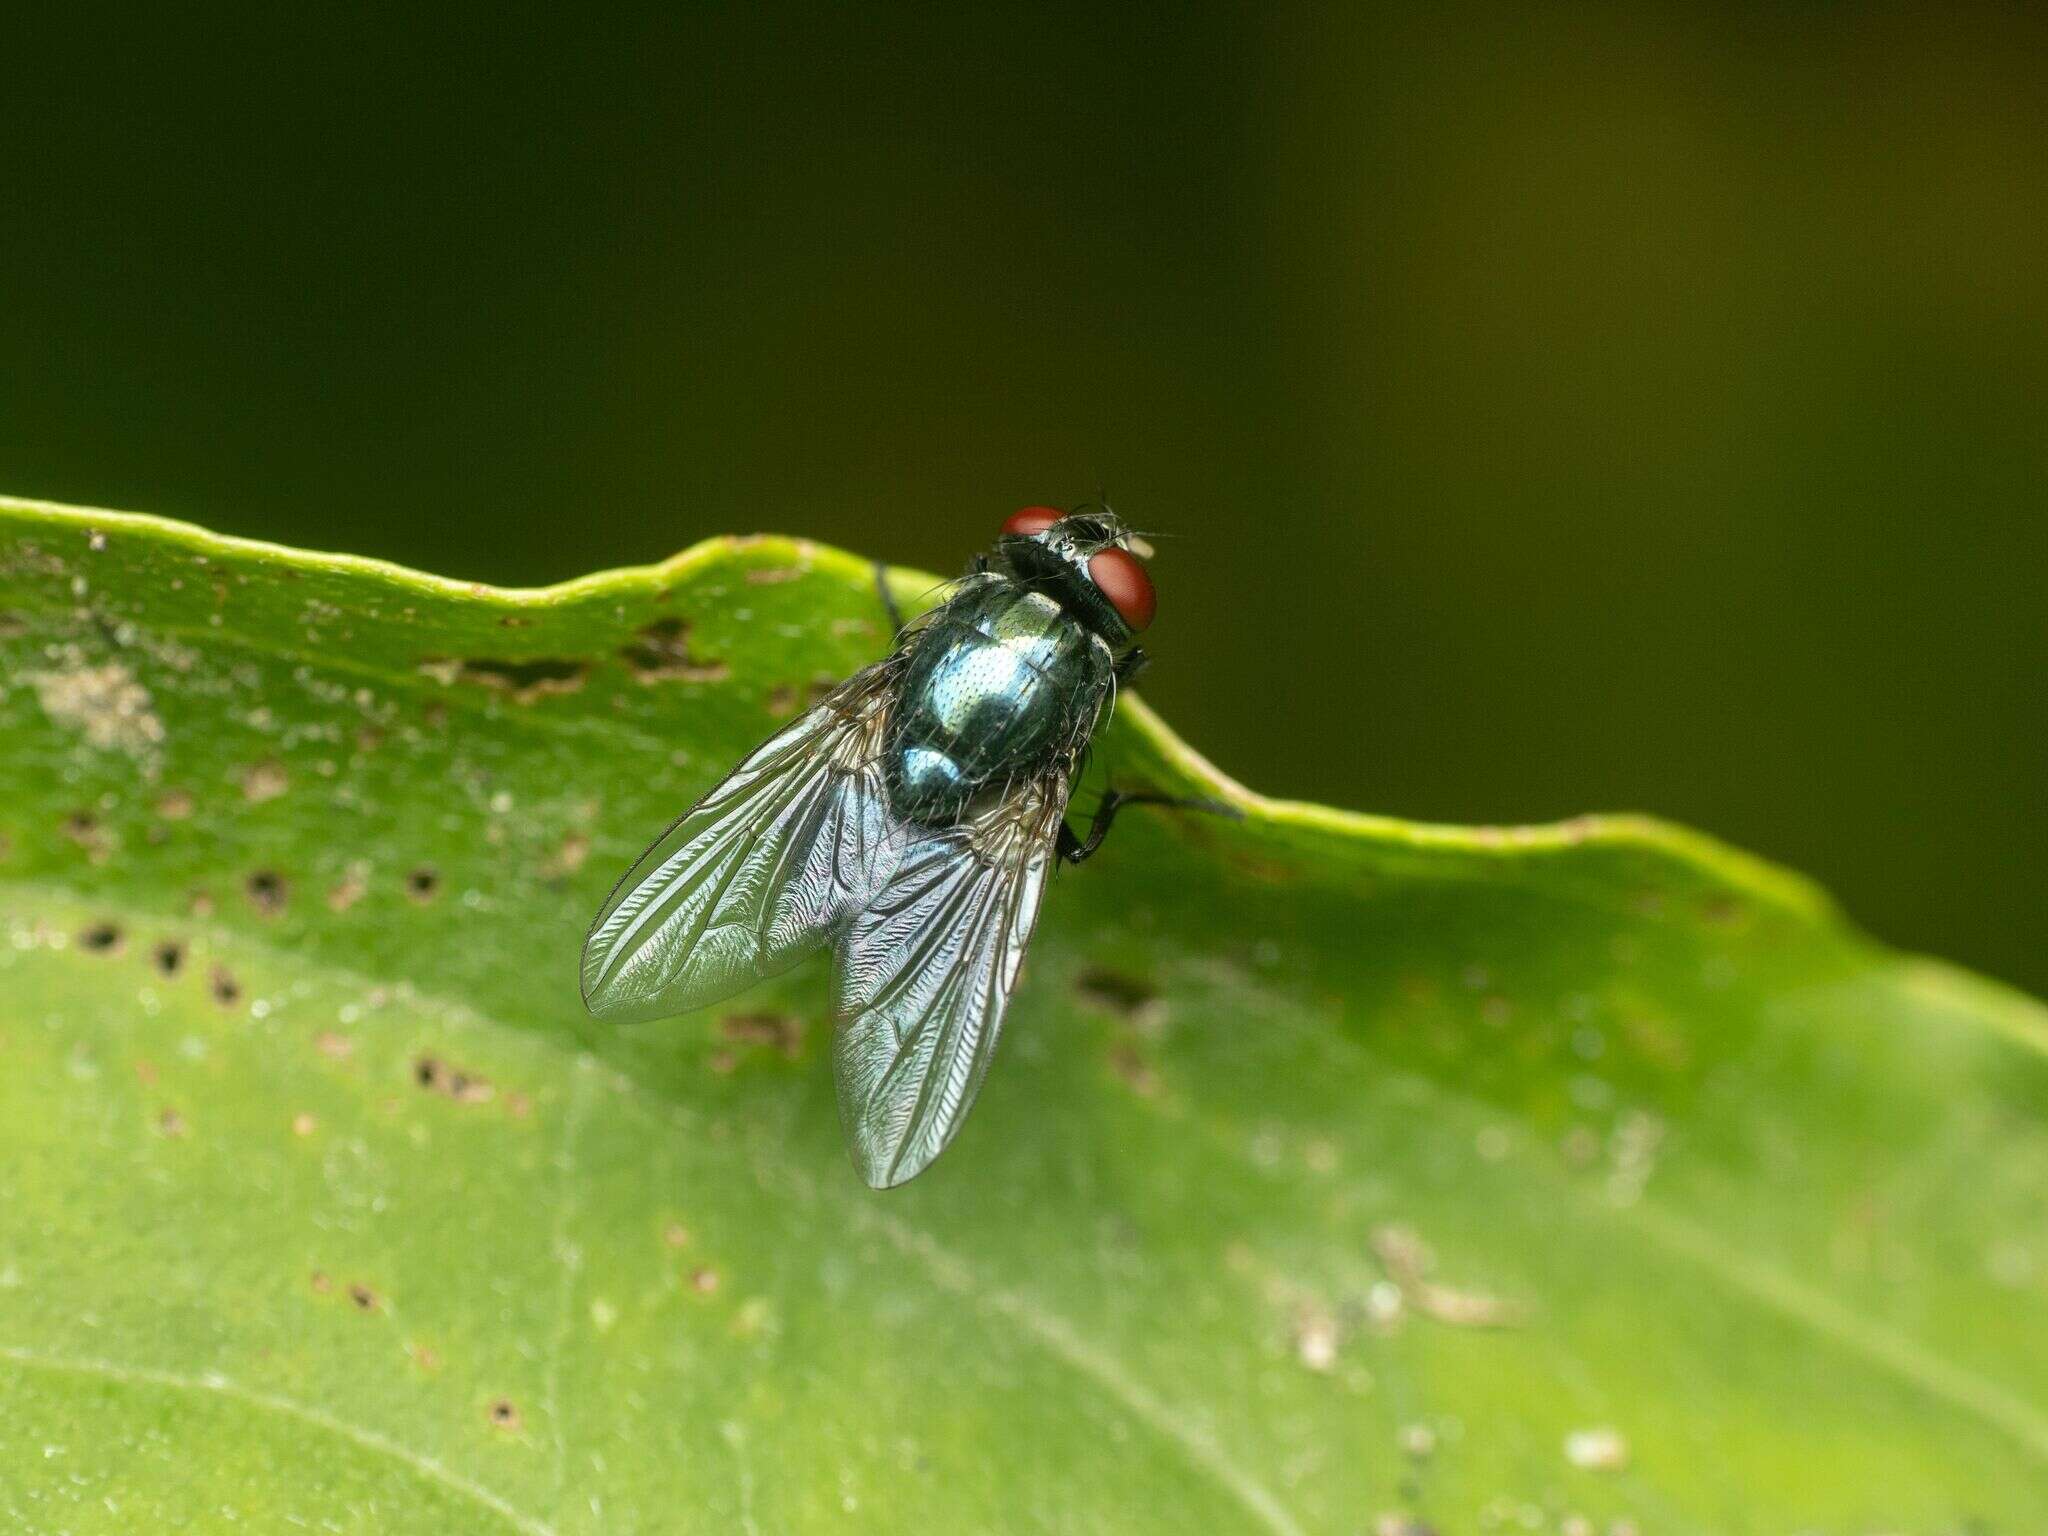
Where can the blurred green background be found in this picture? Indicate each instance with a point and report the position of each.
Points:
(1631, 408)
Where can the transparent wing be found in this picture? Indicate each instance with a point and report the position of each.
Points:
(758, 873)
(925, 972)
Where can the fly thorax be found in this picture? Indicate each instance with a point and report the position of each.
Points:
(989, 693)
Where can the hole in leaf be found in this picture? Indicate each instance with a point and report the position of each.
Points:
(525, 681)
(100, 939)
(423, 884)
(168, 957)
(437, 1076)
(660, 653)
(268, 892)
(1134, 1001)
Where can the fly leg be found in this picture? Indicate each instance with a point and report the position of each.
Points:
(888, 599)
(1130, 664)
(1074, 850)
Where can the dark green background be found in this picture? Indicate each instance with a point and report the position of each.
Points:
(1639, 409)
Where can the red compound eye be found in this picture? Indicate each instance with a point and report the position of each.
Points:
(1120, 576)
(1031, 520)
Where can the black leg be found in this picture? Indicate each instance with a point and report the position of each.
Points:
(1130, 664)
(1076, 849)
(888, 598)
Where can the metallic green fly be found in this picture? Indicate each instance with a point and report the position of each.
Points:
(910, 820)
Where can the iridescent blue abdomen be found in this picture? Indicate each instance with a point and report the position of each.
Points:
(1000, 683)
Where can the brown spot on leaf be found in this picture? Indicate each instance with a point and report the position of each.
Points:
(304, 1124)
(526, 681)
(365, 1299)
(354, 882)
(437, 1076)
(422, 884)
(1266, 871)
(771, 575)
(84, 829)
(264, 781)
(425, 1356)
(787, 698)
(335, 1047)
(675, 1234)
(1128, 1063)
(225, 989)
(780, 1032)
(660, 653)
(567, 858)
(320, 1282)
(504, 1414)
(1723, 910)
(175, 804)
(171, 1123)
(1407, 1260)
(146, 1073)
(704, 1281)
(268, 892)
(514, 621)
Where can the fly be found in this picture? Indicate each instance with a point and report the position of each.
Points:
(910, 820)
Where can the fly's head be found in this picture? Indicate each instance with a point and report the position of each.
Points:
(1087, 560)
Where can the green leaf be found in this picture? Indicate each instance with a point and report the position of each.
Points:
(1335, 1173)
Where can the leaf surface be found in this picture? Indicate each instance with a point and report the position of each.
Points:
(1335, 1174)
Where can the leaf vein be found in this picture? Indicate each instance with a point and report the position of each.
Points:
(306, 1413)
